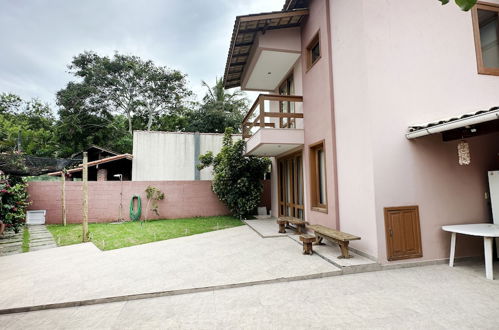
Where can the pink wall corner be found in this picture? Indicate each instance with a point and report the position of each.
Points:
(318, 111)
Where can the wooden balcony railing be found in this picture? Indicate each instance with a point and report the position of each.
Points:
(281, 113)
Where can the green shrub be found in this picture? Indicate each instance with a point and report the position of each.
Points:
(237, 179)
(14, 202)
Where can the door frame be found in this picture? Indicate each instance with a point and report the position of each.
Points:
(281, 203)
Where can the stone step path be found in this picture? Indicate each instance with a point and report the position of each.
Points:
(11, 243)
(40, 238)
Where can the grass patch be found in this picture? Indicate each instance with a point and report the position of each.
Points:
(114, 236)
(25, 245)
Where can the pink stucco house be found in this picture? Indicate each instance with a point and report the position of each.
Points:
(362, 110)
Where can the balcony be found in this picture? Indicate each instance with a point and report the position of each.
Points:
(273, 125)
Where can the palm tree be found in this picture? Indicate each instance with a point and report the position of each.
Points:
(223, 99)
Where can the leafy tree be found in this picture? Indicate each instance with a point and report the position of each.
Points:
(237, 178)
(128, 85)
(463, 4)
(81, 124)
(26, 125)
(220, 109)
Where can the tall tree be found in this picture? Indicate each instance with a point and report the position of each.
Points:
(162, 91)
(129, 85)
(219, 110)
(26, 126)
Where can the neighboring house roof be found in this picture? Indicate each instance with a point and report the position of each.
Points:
(93, 146)
(94, 163)
(447, 124)
(245, 29)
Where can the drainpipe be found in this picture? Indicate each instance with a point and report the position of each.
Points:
(197, 152)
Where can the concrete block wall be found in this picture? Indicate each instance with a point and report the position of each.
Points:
(183, 199)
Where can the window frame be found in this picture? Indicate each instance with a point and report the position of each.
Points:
(316, 40)
(482, 69)
(315, 184)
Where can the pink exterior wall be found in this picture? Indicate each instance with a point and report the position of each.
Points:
(182, 199)
(391, 71)
(318, 110)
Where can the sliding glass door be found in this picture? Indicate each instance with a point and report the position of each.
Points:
(291, 197)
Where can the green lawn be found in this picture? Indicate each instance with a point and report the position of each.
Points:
(25, 245)
(114, 236)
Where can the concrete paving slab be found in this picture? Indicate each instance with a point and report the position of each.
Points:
(430, 297)
(267, 227)
(40, 238)
(331, 251)
(222, 257)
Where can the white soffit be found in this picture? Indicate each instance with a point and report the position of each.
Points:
(272, 150)
(270, 69)
(448, 124)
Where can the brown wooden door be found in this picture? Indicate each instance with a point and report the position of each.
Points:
(403, 234)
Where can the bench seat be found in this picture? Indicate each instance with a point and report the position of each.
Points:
(338, 237)
(285, 221)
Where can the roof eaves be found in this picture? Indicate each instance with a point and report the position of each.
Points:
(94, 163)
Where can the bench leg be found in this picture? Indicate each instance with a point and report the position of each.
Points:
(307, 248)
(299, 229)
(344, 250)
(318, 240)
(282, 228)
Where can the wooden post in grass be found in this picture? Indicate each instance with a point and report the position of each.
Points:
(85, 197)
(63, 196)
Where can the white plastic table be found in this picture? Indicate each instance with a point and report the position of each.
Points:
(486, 230)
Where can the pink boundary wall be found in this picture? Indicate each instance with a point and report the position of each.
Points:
(183, 199)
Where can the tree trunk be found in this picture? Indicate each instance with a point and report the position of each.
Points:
(129, 116)
(150, 119)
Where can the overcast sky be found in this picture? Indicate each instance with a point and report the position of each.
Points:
(38, 38)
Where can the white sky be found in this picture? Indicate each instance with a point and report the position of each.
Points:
(38, 38)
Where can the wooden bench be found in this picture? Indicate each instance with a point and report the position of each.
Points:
(338, 237)
(307, 243)
(285, 221)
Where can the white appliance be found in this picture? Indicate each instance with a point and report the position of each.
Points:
(494, 199)
(36, 217)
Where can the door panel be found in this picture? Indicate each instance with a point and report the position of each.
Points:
(403, 234)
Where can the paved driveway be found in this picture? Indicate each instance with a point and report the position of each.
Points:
(82, 271)
(431, 297)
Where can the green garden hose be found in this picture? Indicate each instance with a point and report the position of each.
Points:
(135, 215)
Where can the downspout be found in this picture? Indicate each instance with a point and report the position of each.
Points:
(197, 151)
(333, 119)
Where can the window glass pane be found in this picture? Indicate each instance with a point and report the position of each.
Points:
(321, 175)
(315, 52)
(488, 37)
(299, 179)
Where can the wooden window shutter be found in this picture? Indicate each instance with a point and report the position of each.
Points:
(403, 233)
